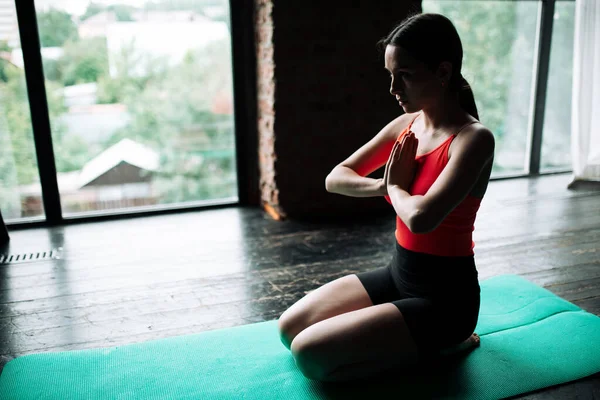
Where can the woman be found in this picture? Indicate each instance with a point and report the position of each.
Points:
(438, 159)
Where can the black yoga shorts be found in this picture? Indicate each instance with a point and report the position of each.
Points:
(438, 296)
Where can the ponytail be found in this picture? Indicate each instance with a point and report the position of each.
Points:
(466, 98)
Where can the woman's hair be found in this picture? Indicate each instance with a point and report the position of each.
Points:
(432, 39)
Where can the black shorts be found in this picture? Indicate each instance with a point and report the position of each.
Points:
(437, 296)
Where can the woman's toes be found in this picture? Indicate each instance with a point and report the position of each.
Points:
(472, 342)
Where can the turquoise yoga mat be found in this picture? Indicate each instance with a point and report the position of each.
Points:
(530, 339)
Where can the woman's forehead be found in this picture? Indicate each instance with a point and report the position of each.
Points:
(397, 57)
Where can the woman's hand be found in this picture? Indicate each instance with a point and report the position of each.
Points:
(383, 181)
(401, 167)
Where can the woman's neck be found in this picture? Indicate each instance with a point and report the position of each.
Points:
(447, 112)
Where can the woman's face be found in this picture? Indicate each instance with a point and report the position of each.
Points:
(413, 85)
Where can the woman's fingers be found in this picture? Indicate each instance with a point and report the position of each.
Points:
(389, 162)
(405, 144)
(408, 144)
(406, 148)
(403, 140)
(415, 143)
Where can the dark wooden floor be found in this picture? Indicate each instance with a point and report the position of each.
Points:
(134, 280)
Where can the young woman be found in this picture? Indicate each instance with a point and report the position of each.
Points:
(438, 159)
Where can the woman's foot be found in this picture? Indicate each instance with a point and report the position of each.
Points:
(472, 342)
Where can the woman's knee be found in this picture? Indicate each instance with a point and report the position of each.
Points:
(288, 329)
(339, 296)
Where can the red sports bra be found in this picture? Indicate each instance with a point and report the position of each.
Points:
(453, 237)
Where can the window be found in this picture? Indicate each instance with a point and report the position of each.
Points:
(140, 100)
(498, 39)
(499, 43)
(556, 140)
(20, 192)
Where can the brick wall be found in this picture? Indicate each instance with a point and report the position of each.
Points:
(322, 93)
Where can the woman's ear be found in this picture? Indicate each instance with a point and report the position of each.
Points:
(444, 71)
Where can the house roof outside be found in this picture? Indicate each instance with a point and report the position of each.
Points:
(126, 151)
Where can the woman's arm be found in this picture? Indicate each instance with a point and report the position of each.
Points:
(343, 180)
(474, 150)
(349, 178)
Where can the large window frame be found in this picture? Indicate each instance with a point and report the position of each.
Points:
(545, 23)
(243, 69)
(245, 127)
(538, 99)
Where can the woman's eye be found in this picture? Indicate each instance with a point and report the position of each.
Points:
(399, 75)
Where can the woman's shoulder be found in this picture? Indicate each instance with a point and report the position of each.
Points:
(477, 136)
(398, 125)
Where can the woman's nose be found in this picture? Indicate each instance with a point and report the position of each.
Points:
(394, 87)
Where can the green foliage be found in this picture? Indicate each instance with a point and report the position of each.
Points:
(18, 124)
(52, 69)
(83, 61)
(18, 162)
(91, 10)
(55, 27)
(126, 84)
(123, 13)
(5, 49)
(170, 106)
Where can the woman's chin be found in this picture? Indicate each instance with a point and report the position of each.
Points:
(406, 107)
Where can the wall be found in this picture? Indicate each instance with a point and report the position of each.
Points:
(322, 92)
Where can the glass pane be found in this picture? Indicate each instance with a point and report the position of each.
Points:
(498, 39)
(556, 140)
(20, 190)
(141, 102)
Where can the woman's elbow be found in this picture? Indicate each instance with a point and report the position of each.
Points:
(329, 183)
(332, 180)
(419, 223)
